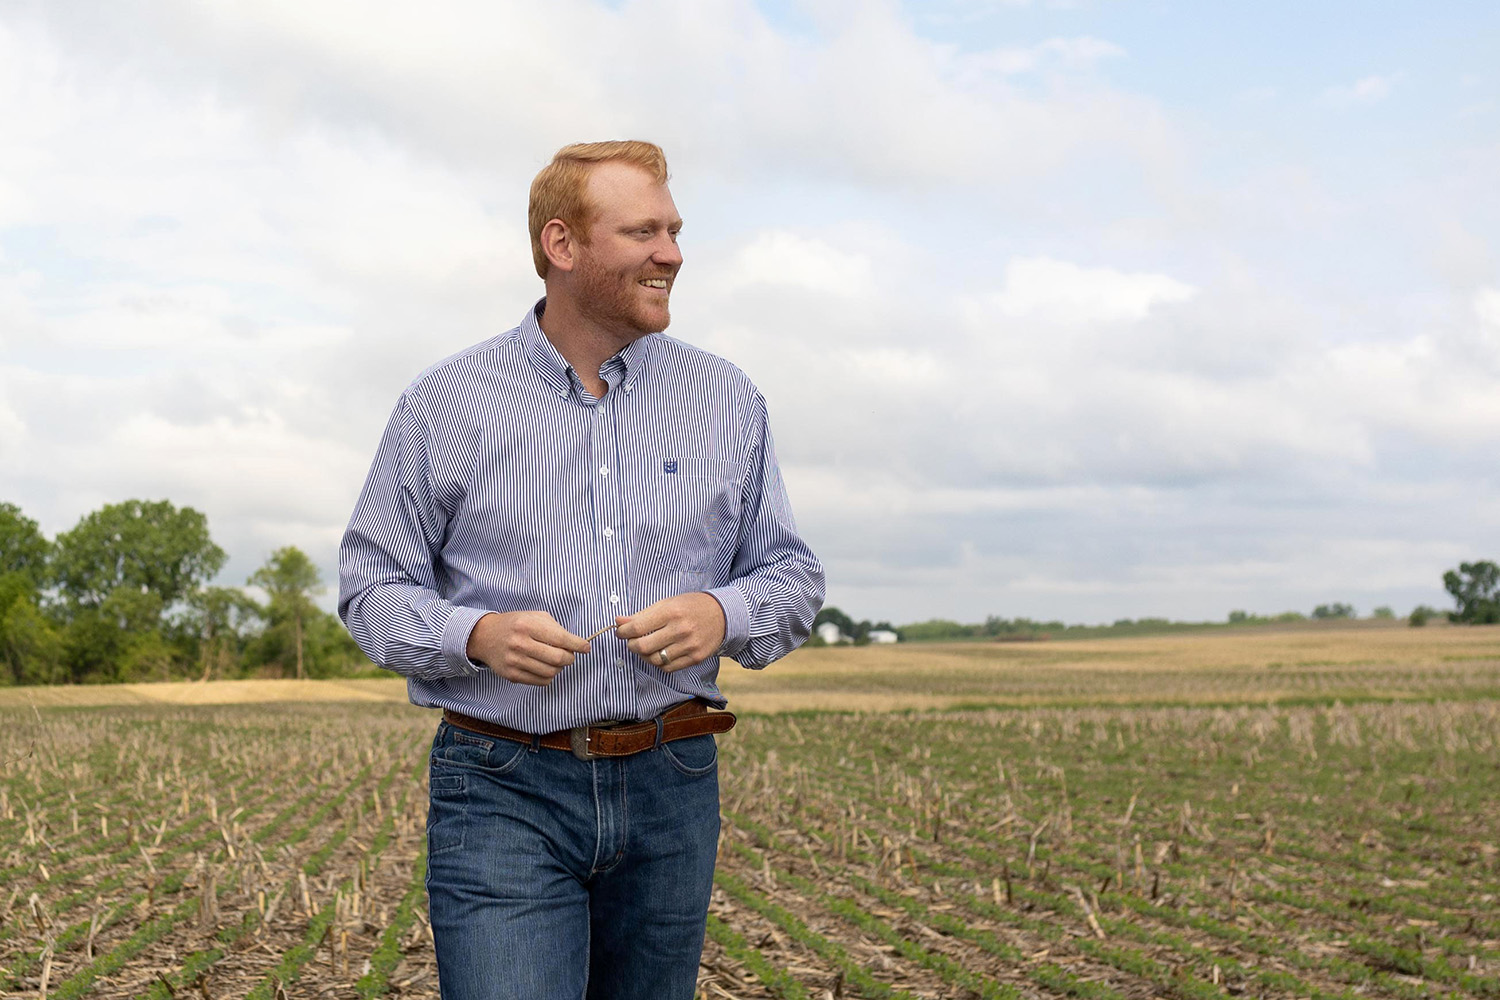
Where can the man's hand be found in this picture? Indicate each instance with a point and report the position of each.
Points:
(527, 647)
(689, 627)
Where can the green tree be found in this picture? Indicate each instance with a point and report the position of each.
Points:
(290, 579)
(936, 630)
(149, 546)
(31, 650)
(1335, 610)
(120, 640)
(22, 548)
(1384, 613)
(330, 649)
(117, 571)
(139, 649)
(832, 614)
(1476, 589)
(994, 625)
(217, 618)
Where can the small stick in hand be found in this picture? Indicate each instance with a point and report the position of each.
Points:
(599, 633)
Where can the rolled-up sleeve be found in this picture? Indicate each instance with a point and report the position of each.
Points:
(389, 595)
(776, 585)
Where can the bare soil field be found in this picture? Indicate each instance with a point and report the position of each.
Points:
(1178, 834)
(1201, 667)
(1260, 664)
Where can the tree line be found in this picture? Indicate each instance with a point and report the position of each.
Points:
(124, 595)
(1474, 587)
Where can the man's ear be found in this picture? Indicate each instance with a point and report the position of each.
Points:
(557, 244)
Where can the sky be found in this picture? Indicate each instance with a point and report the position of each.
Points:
(1074, 310)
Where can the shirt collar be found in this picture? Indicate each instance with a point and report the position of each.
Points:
(553, 367)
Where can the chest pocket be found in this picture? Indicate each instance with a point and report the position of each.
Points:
(695, 508)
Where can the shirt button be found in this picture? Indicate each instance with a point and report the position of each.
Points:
(609, 532)
(614, 598)
(603, 470)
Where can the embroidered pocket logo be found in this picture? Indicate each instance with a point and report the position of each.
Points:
(669, 466)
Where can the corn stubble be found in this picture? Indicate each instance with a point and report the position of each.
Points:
(1321, 848)
(225, 836)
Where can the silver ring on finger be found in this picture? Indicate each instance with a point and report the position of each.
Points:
(662, 658)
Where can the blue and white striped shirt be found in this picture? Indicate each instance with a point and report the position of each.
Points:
(501, 484)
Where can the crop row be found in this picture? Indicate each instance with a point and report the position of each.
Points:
(1035, 843)
(295, 841)
(1194, 853)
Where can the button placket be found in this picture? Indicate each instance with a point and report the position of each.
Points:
(606, 512)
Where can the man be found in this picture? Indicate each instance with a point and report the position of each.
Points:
(564, 528)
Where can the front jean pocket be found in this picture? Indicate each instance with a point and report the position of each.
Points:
(694, 756)
(447, 812)
(460, 748)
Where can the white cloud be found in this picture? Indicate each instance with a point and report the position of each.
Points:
(1487, 308)
(887, 367)
(788, 259)
(1366, 90)
(12, 433)
(1079, 53)
(229, 234)
(874, 102)
(886, 494)
(257, 465)
(969, 12)
(1057, 291)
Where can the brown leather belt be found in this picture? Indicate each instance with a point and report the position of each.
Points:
(691, 718)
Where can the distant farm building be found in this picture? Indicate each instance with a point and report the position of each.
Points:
(883, 635)
(829, 633)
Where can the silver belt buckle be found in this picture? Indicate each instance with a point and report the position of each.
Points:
(578, 739)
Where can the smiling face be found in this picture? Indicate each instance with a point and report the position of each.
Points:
(622, 278)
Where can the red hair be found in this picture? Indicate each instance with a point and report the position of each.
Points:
(560, 190)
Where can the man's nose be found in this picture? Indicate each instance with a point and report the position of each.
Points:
(668, 253)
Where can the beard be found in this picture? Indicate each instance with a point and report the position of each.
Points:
(614, 299)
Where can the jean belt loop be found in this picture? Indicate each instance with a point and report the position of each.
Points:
(660, 729)
(536, 743)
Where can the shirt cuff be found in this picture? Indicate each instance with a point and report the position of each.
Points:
(736, 619)
(456, 641)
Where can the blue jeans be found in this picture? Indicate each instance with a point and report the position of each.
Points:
(551, 877)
